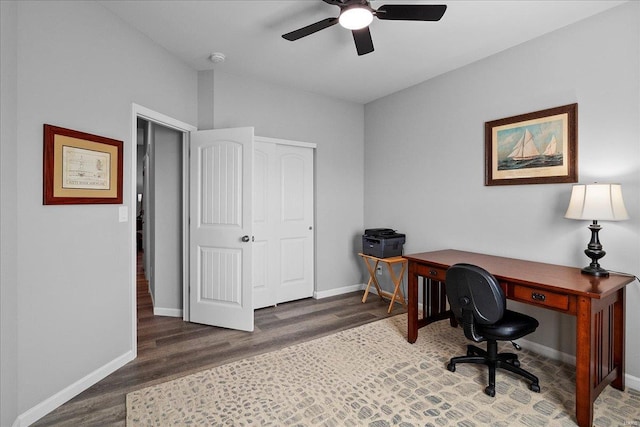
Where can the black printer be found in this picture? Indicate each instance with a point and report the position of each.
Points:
(382, 242)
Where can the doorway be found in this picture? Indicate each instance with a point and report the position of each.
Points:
(293, 164)
(182, 130)
(159, 215)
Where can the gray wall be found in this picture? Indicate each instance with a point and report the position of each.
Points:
(167, 220)
(67, 295)
(425, 145)
(337, 129)
(8, 214)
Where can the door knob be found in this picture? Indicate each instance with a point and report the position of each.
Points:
(245, 238)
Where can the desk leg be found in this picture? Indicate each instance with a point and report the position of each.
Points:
(618, 339)
(584, 353)
(412, 311)
(434, 303)
(600, 351)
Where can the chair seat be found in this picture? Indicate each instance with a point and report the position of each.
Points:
(512, 326)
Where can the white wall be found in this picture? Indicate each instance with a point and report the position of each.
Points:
(425, 147)
(79, 67)
(337, 129)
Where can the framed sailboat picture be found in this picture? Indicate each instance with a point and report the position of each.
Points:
(534, 148)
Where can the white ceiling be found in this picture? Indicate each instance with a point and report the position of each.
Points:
(249, 33)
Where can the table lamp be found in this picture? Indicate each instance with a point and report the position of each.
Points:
(596, 202)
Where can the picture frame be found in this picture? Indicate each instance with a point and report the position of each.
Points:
(81, 168)
(534, 148)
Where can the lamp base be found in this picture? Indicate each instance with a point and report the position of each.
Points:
(595, 252)
(595, 271)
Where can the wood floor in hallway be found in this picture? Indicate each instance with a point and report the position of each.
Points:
(169, 348)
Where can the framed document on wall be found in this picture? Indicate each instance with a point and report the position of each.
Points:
(81, 168)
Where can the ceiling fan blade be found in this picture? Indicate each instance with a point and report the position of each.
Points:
(364, 43)
(310, 29)
(411, 12)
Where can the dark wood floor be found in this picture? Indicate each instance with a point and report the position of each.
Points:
(169, 348)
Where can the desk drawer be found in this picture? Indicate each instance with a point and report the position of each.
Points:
(435, 273)
(540, 297)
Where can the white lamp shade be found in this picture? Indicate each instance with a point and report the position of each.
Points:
(597, 202)
(355, 18)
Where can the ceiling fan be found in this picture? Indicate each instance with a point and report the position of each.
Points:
(356, 15)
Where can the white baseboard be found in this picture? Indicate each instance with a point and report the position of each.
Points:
(549, 352)
(171, 312)
(338, 291)
(153, 302)
(43, 408)
(630, 381)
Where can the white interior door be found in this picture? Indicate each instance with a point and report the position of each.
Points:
(296, 223)
(283, 222)
(265, 203)
(220, 228)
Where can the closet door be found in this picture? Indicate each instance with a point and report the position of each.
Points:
(265, 250)
(295, 223)
(283, 250)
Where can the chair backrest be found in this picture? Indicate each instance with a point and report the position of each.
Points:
(473, 289)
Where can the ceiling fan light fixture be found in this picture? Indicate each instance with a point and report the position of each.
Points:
(355, 17)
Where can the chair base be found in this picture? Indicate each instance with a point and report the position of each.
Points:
(494, 360)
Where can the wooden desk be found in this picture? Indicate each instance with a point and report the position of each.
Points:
(597, 303)
(372, 265)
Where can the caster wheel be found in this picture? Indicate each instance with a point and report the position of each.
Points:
(451, 367)
(516, 363)
(490, 391)
(535, 388)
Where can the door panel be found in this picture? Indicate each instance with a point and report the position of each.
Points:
(221, 165)
(221, 184)
(220, 276)
(292, 266)
(293, 187)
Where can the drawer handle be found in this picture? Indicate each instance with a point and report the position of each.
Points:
(538, 297)
(433, 272)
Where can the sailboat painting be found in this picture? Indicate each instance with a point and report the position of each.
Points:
(532, 148)
(535, 146)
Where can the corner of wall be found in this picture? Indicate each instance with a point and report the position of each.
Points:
(205, 100)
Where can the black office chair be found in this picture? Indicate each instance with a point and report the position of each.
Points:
(479, 305)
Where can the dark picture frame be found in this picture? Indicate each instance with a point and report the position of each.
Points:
(81, 168)
(534, 148)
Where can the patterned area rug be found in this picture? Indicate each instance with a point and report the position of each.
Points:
(371, 376)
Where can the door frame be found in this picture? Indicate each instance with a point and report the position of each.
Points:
(138, 111)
